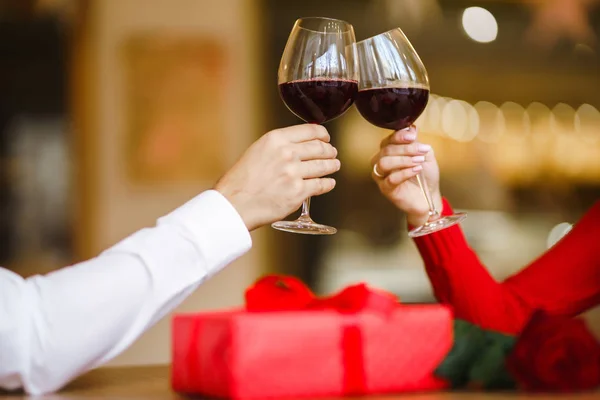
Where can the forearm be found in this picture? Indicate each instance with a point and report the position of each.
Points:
(565, 280)
(460, 279)
(439, 251)
(77, 318)
(72, 330)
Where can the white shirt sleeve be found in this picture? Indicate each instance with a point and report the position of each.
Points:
(58, 326)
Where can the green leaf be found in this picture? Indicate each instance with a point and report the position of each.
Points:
(489, 369)
(506, 342)
(477, 358)
(469, 342)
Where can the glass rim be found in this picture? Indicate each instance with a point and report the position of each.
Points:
(348, 26)
(381, 34)
(401, 84)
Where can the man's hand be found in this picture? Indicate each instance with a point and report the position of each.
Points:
(278, 172)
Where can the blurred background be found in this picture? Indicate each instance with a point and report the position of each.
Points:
(112, 113)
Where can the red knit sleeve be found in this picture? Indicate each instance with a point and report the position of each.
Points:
(565, 280)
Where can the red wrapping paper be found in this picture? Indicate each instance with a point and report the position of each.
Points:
(360, 341)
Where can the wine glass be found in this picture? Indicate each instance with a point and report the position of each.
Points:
(318, 81)
(393, 92)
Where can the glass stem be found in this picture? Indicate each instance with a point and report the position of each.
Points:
(305, 215)
(433, 212)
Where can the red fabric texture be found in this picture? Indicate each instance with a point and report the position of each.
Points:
(360, 341)
(564, 281)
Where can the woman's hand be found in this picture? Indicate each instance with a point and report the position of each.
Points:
(398, 161)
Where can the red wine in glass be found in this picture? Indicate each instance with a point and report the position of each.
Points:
(318, 100)
(393, 108)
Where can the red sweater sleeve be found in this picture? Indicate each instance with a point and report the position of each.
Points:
(564, 280)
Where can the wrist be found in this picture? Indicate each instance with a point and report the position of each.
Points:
(236, 199)
(423, 216)
(436, 197)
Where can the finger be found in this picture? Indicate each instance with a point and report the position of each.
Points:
(375, 158)
(314, 149)
(306, 132)
(318, 168)
(318, 186)
(376, 174)
(387, 164)
(400, 176)
(413, 149)
(403, 136)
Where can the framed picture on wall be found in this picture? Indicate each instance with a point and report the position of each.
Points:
(174, 108)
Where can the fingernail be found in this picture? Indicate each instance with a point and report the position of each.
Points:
(418, 159)
(417, 168)
(424, 148)
(409, 137)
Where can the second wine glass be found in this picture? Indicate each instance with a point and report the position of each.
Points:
(393, 93)
(318, 81)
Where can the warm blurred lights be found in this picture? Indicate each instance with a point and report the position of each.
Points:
(433, 116)
(516, 143)
(562, 119)
(558, 232)
(460, 121)
(491, 122)
(454, 119)
(524, 141)
(488, 122)
(518, 124)
(587, 124)
(480, 24)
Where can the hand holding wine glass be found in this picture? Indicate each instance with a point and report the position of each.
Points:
(400, 159)
(317, 82)
(393, 93)
(278, 171)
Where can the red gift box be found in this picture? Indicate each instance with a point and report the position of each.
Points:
(287, 343)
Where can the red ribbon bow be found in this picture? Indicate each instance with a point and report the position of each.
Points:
(286, 293)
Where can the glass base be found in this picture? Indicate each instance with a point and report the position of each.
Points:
(305, 226)
(437, 225)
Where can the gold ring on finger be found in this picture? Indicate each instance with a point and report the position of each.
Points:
(376, 172)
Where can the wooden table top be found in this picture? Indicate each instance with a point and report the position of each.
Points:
(153, 383)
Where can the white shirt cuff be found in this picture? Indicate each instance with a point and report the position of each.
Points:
(214, 226)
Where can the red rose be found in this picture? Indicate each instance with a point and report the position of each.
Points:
(276, 293)
(555, 354)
